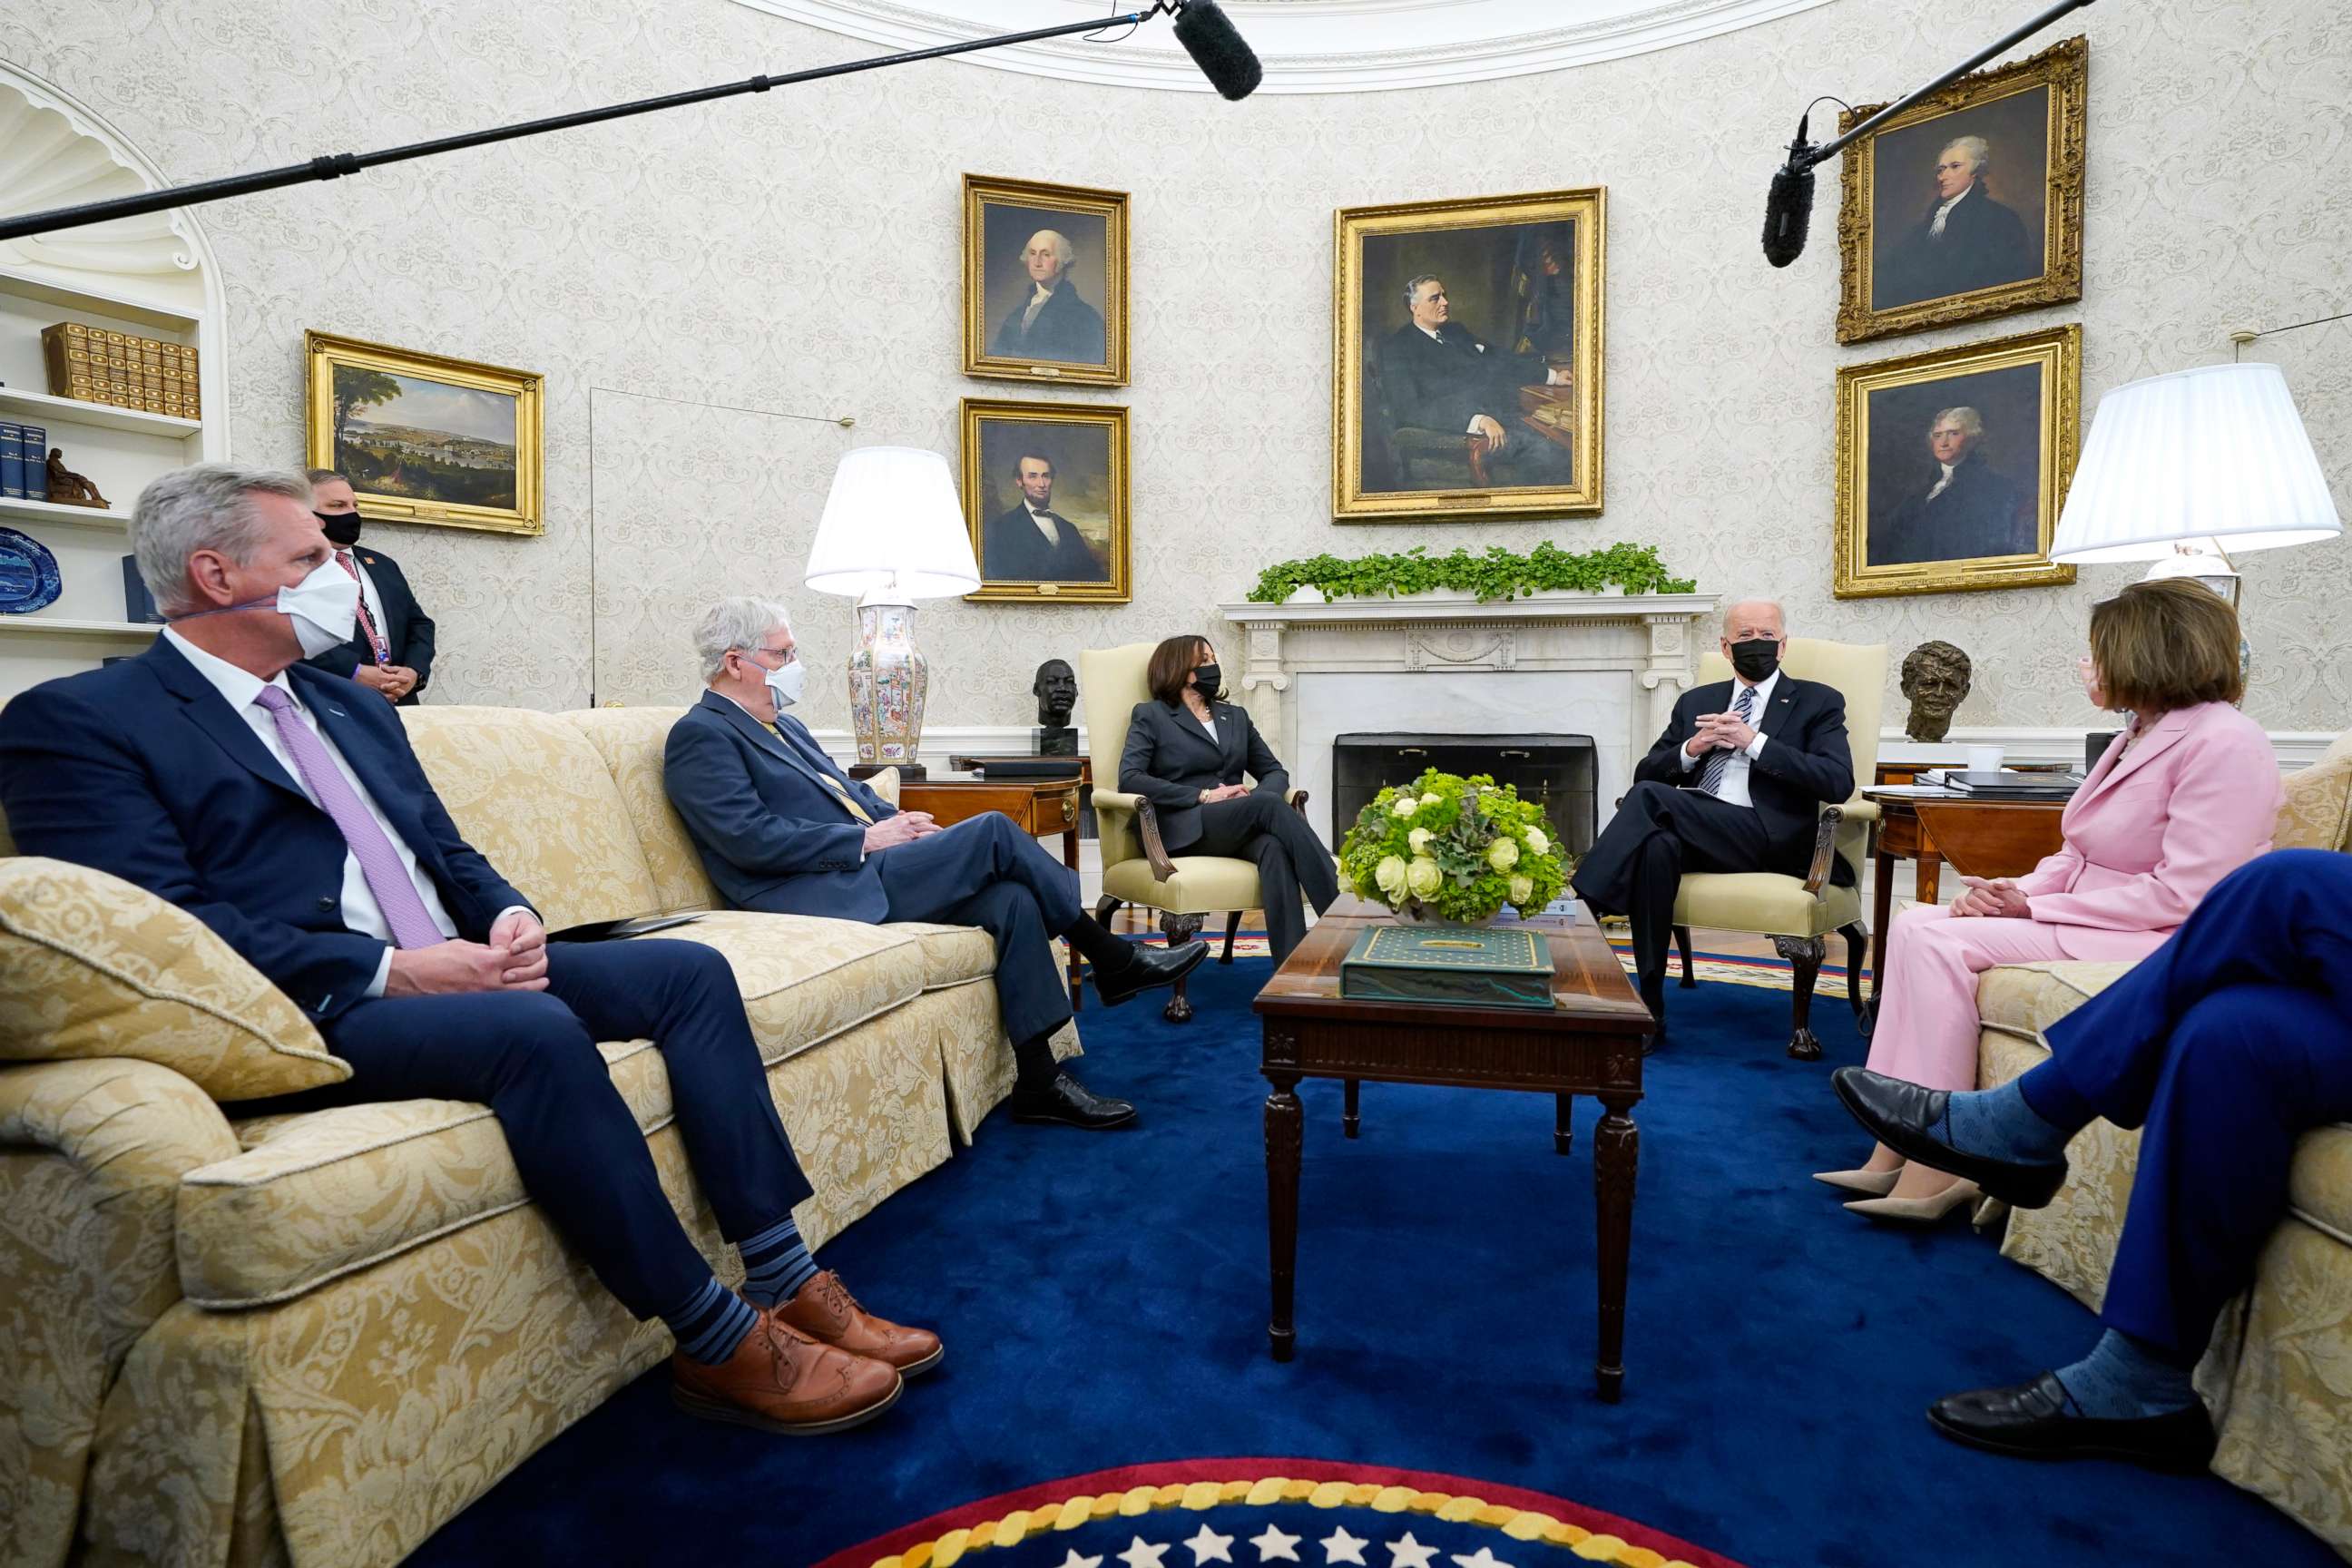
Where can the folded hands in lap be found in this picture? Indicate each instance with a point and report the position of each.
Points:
(1998, 898)
(905, 827)
(514, 958)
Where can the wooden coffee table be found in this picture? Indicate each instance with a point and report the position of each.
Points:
(1590, 1043)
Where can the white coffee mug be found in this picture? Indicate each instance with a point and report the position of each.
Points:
(1984, 759)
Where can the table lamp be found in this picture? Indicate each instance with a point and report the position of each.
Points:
(892, 533)
(2183, 468)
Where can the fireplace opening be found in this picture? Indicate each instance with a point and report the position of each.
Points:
(1556, 771)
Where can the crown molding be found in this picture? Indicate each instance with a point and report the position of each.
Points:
(1327, 46)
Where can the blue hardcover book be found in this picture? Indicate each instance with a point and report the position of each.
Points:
(35, 440)
(12, 464)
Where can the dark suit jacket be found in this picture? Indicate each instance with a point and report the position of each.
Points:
(1437, 384)
(1806, 764)
(141, 770)
(1983, 245)
(771, 833)
(1980, 512)
(1012, 550)
(407, 629)
(1067, 328)
(1170, 760)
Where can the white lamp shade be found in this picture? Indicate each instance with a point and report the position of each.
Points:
(2216, 453)
(892, 527)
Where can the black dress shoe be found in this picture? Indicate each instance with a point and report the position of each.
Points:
(1903, 1117)
(1151, 967)
(1068, 1101)
(2032, 1421)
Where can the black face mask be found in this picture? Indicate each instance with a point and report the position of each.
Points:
(1208, 679)
(1756, 658)
(343, 528)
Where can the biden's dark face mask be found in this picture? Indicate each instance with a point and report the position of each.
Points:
(1756, 658)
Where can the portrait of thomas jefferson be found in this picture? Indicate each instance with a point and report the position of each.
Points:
(1051, 322)
(1960, 240)
(1960, 508)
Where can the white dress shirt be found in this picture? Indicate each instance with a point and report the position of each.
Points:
(1942, 482)
(368, 594)
(1209, 722)
(1935, 229)
(1733, 786)
(1047, 523)
(1036, 303)
(362, 914)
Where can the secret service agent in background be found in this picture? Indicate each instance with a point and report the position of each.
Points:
(391, 653)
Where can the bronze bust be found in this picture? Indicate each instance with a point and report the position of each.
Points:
(1935, 680)
(1056, 691)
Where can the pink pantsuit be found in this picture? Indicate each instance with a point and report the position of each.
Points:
(2196, 797)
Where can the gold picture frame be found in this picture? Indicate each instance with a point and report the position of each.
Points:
(1408, 397)
(1067, 341)
(1077, 551)
(439, 458)
(2024, 199)
(1930, 500)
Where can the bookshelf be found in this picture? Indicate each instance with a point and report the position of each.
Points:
(155, 278)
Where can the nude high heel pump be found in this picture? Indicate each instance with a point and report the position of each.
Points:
(1917, 1211)
(1869, 1183)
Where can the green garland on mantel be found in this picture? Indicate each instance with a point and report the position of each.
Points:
(1500, 573)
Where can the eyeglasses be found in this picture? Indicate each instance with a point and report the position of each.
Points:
(787, 655)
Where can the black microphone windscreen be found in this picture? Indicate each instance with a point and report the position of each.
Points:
(1787, 211)
(1208, 36)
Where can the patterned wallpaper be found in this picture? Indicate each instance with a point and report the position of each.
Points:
(797, 254)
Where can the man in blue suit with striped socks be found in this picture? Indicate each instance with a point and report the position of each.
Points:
(2223, 1046)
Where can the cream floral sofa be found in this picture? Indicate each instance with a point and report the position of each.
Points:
(2279, 1372)
(314, 1339)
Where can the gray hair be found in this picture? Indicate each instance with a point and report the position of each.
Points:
(1970, 422)
(733, 624)
(208, 507)
(1413, 288)
(1731, 612)
(1063, 251)
(1973, 149)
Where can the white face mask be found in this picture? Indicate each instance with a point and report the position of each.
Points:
(324, 608)
(784, 685)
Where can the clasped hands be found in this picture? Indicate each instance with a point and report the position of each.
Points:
(903, 829)
(1720, 732)
(394, 680)
(1996, 898)
(1224, 792)
(514, 958)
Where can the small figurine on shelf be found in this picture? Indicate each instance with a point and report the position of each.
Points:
(67, 488)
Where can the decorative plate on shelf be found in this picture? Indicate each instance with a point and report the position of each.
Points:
(28, 573)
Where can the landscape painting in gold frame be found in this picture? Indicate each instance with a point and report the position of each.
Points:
(425, 439)
(1466, 358)
(1969, 205)
(1044, 283)
(1952, 466)
(1044, 494)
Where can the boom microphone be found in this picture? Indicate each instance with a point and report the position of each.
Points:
(1789, 208)
(1208, 36)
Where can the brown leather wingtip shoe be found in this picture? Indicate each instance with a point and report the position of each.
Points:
(827, 1311)
(781, 1380)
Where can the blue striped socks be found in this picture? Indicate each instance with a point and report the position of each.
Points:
(776, 1263)
(711, 1327)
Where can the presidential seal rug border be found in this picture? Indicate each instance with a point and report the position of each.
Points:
(1252, 1510)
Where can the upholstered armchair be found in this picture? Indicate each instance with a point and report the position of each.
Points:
(1136, 867)
(1799, 914)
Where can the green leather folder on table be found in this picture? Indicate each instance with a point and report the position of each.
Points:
(1464, 966)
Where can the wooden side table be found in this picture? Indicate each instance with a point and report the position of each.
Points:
(1041, 807)
(1930, 826)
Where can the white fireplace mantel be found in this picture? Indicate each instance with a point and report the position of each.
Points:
(1607, 664)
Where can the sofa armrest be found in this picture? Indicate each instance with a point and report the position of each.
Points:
(1146, 826)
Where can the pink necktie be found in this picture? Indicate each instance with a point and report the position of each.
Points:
(404, 910)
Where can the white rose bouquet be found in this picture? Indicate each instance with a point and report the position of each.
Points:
(1453, 849)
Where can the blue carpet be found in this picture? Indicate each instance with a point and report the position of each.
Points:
(1103, 1300)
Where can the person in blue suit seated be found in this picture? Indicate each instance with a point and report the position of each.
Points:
(283, 806)
(2223, 1047)
(780, 828)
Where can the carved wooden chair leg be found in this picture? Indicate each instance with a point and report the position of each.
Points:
(1563, 1127)
(1351, 1118)
(1106, 907)
(1681, 941)
(1232, 928)
(1804, 954)
(1857, 955)
(1179, 929)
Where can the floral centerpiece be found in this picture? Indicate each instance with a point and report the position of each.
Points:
(1450, 849)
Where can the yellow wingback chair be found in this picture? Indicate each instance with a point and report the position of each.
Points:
(1136, 868)
(1799, 913)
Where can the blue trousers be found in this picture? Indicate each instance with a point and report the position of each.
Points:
(985, 872)
(530, 1056)
(2224, 1045)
